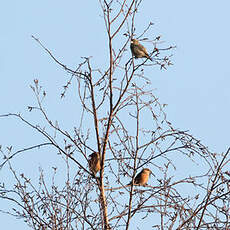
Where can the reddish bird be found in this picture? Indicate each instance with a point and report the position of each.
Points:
(142, 177)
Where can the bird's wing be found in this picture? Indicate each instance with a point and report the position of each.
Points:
(137, 178)
(132, 46)
(143, 49)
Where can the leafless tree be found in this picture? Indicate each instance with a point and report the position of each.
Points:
(121, 119)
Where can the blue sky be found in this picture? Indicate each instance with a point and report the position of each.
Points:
(196, 87)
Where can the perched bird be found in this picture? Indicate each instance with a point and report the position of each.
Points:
(94, 162)
(138, 50)
(142, 177)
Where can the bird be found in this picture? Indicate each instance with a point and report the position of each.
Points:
(94, 163)
(142, 177)
(138, 50)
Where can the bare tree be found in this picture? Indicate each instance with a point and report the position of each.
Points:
(123, 125)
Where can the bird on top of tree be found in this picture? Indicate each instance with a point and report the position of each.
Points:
(138, 50)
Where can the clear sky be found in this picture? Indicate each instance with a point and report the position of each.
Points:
(196, 87)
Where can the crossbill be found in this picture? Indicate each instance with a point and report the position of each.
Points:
(138, 50)
(142, 177)
(94, 162)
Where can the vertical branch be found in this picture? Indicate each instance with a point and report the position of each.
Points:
(135, 160)
(102, 189)
(101, 182)
(94, 107)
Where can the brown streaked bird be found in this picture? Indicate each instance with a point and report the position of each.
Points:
(142, 177)
(138, 50)
(94, 162)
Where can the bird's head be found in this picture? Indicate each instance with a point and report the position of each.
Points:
(94, 154)
(146, 170)
(134, 41)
